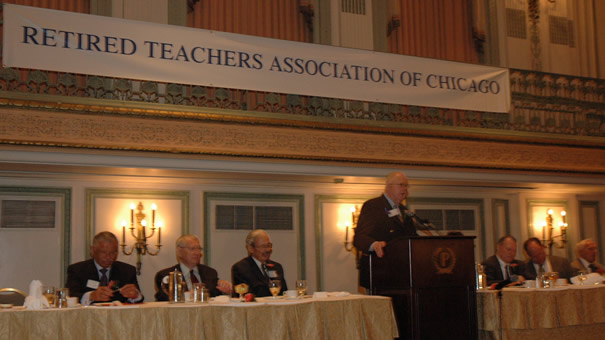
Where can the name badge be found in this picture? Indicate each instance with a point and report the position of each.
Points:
(272, 273)
(394, 212)
(92, 284)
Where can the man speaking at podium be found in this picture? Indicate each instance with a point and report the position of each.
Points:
(381, 220)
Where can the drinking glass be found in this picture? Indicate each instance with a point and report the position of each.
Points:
(275, 287)
(49, 293)
(301, 288)
(241, 289)
(582, 276)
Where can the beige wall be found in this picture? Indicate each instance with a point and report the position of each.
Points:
(332, 265)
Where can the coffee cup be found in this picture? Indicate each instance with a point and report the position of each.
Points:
(290, 294)
(72, 301)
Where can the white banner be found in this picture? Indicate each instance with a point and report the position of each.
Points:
(78, 43)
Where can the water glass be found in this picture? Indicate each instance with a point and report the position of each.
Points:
(61, 297)
(301, 287)
(49, 293)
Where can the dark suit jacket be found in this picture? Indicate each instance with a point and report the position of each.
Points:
(374, 224)
(559, 264)
(208, 275)
(577, 264)
(493, 272)
(79, 273)
(246, 271)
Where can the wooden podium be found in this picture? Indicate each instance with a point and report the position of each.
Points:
(432, 283)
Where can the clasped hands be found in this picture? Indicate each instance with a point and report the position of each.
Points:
(224, 286)
(105, 293)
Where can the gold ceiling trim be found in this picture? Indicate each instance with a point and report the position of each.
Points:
(213, 138)
(170, 111)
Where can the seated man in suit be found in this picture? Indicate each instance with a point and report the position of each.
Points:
(538, 262)
(189, 254)
(102, 278)
(381, 220)
(257, 269)
(503, 265)
(586, 258)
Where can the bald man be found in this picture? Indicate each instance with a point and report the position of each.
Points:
(381, 220)
(586, 257)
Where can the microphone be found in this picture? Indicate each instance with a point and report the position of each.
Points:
(425, 223)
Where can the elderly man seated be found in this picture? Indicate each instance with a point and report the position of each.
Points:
(103, 278)
(189, 254)
(586, 258)
(539, 262)
(503, 265)
(257, 270)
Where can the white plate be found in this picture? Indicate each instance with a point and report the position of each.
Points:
(6, 305)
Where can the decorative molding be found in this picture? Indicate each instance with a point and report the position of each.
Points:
(62, 129)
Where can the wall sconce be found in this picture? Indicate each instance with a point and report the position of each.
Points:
(549, 239)
(138, 222)
(353, 223)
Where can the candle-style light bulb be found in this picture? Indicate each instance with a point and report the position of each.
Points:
(347, 232)
(154, 207)
(123, 232)
(132, 206)
(159, 233)
(144, 232)
(549, 212)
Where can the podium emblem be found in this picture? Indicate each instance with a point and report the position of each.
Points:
(444, 260)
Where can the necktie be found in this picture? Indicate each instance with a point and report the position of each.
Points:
(593, 268)
(400, 215)
(540, 270)
(193, 277)
(103, 277)
(506, 272)
(265, 271)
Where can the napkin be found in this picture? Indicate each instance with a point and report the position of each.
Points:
(35, 300)
(591, 279)
(320, 295)
(338, 294)
(222, 298)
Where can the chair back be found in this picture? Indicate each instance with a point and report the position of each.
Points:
(13, 296)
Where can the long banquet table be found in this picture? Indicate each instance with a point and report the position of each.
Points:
(350, 317)
(568, 312)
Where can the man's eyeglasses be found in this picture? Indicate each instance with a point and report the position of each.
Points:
(193, 248)
(401, 185)
(265, 246)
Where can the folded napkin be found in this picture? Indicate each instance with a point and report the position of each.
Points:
(320, 295)
(222, 298)
(591, 279)
(35, 299)
(338, 294)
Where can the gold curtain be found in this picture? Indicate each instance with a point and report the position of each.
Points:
(440, 29)
(279, 19)
(79, 6)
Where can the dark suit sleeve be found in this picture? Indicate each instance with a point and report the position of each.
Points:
(284, 285)
(243, 272)
(364, 233)
(566, 271)
(493, 273)
(124, 274)
(76, 283)
(159, 293)
(210, 279)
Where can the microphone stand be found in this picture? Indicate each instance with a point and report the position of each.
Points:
(424, 223)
